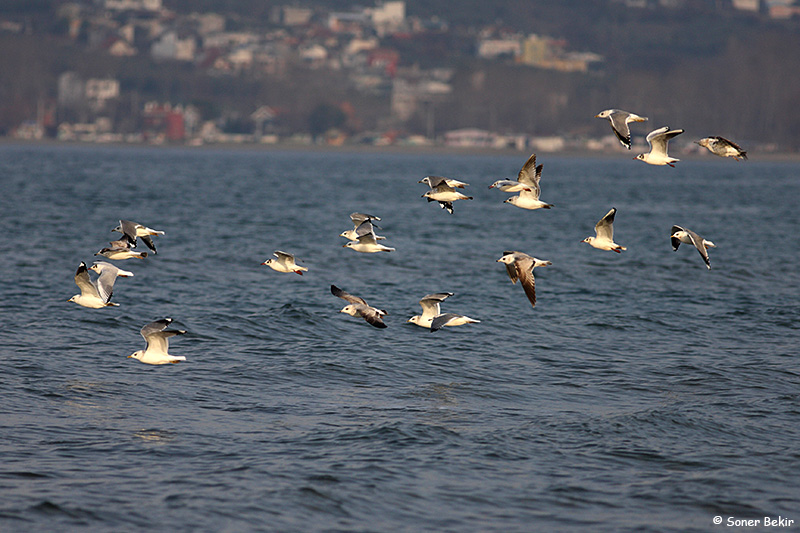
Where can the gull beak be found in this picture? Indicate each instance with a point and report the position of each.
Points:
(129, 357)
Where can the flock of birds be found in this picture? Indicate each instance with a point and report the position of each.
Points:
(96, 293)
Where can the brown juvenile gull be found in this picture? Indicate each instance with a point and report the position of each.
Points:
(520, 267)
(604, 234)
(619, 120)
(722, 147)
(157, 337)
(359, 307)
(132, 230)
(443, 190)
(284, 262)
(658, 141)
(679, 235)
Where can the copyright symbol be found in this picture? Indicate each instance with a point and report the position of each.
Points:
(717, 520)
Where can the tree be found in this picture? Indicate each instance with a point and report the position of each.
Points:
(324, 117)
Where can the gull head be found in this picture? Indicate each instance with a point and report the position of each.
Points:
(507, 259)
(603, 114)
(349, 310)
(138, 354)
(268, 262)
(640, 157)
(74, 298)
(588, 240)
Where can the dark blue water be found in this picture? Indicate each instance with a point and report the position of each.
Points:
(643, 393)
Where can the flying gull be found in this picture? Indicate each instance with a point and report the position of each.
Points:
(520, 267)
(97, 294)
(430, 309)
(679, 235)
(658, 140)
(367, 244)
(443, 190)
(157, 337)
(284, 262)
(359, 307)
(433, 318)
(604, 230)
(132, 230)
(722, 147)
(450, 319)
(362, 228)
(528, 179)
(619, 120)
(120, 250)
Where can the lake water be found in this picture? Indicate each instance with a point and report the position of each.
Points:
(643, 393)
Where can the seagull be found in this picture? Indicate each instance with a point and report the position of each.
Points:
(658, 140)
(619, 120)
(433, 318)
(604, 230)
(722, 147)
(687, 236)
(367, 244)
(528, 179)
(284, 263)
(430, 309)
(120, 250)
(450, 319)
(96, 294)
(360, 229)
(443, 190)
(156, 335)
(107, 275)
(520, 266)
(359, 307)
(132, 230)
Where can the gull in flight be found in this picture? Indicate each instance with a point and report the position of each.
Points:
(604, 230)
(362, 224)
(619, 120)
(359, 307)
(284, 262)
(132, 230)
(120, 250)
(722, 147)
(96, 294)
(157, 337)
(443, 190)
(520, 267)
(433, 318)
(367, 244)
(682, 235)
(528, 187)
(658, 141)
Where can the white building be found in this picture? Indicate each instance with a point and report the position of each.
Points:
(171, 46)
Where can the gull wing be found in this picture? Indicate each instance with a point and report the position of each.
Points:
(659, 138)
(358, 218)
(525, 272)
(156, 334)
(442, 320)
(336, 291)
(697, 240)
(283, 256)
(527, 174)
(84, 282)
(371, 315)
(430, 303)
(605, 227)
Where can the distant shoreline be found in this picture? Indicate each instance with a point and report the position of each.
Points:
(388, 149)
